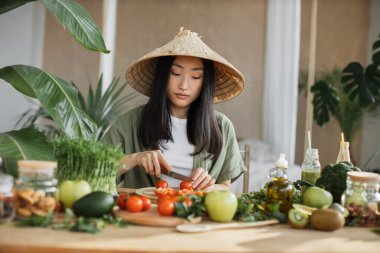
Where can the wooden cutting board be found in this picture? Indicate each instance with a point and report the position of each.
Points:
(153, 218)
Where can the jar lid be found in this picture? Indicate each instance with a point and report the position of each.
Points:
(6, 183)
(365, 177)
(36, 165)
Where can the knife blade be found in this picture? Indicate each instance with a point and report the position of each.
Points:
(175, 175)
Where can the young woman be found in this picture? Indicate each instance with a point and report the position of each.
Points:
(178, 128)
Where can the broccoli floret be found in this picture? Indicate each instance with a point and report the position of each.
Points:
(333, 178)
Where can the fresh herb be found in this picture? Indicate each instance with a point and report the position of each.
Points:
(36, 221)
(183, 210)
(88, 225)
(252, 207)
(92, 161)
(376, 230)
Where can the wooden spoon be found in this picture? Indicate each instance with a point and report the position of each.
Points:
(194, 228)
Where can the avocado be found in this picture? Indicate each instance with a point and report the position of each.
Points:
(96, 204)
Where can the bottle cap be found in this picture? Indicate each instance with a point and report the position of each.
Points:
(282, 162)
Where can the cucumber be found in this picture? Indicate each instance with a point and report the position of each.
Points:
(96, 204)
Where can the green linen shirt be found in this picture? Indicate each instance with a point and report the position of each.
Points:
(228, 166)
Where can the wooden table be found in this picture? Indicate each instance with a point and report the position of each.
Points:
(278, 238)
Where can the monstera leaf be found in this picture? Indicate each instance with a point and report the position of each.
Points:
(325, 102)
(25, 144)
(58, 97)
(362, 84)
(78, 23)
(376, 53)
(8, 5)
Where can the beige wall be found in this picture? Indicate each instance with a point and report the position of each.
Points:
(235, 29)
(341, 38)
(65, 57)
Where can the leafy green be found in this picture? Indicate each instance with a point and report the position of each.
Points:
(87, 225)
(20, 145)
(57, 96)
(362, 84)
(333, 179)
(36, 221)
(76, 20)
(189, 212)
(376, 230)
(325, 101)
(251, 207)
(92, 161)
(105, 107)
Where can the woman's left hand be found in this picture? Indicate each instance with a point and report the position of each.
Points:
(201, 179)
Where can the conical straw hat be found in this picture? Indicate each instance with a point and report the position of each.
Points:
(229, 82)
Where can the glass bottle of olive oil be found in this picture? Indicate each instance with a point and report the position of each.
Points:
(280, 189)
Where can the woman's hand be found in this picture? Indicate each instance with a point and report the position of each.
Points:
(151, 161)
(201, 179)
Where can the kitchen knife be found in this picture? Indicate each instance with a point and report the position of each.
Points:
(175, 175)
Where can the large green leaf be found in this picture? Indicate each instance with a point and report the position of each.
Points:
(105, 107)
(57, 96)
(325, 102)
(78, 22)
(362, 84)
(25, 144)
(8, 5)
(376, 53)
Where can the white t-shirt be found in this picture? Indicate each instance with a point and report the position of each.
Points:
(178, 152)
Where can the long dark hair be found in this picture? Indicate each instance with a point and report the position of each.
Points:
(203, 130)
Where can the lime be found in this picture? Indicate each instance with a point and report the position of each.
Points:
(317, 197)
(304, 209)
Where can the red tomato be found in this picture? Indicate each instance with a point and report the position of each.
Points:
(165, 207)
(134, 204)
(161, 183)
(146, 203)
(121, 201)
(186, 185)
(163, 197)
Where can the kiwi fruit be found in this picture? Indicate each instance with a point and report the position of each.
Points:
(297, 218)
(327, 220)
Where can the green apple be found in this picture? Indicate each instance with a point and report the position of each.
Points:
(71, 191)
(317, 197)
(221, 205)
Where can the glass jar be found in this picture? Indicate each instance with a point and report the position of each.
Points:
(356, 191)
(36, 188)
(311, 168)
(344, 152)
(373, 185)
(7, 205)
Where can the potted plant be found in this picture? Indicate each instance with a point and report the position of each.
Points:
(59, 98)
(348, 94)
